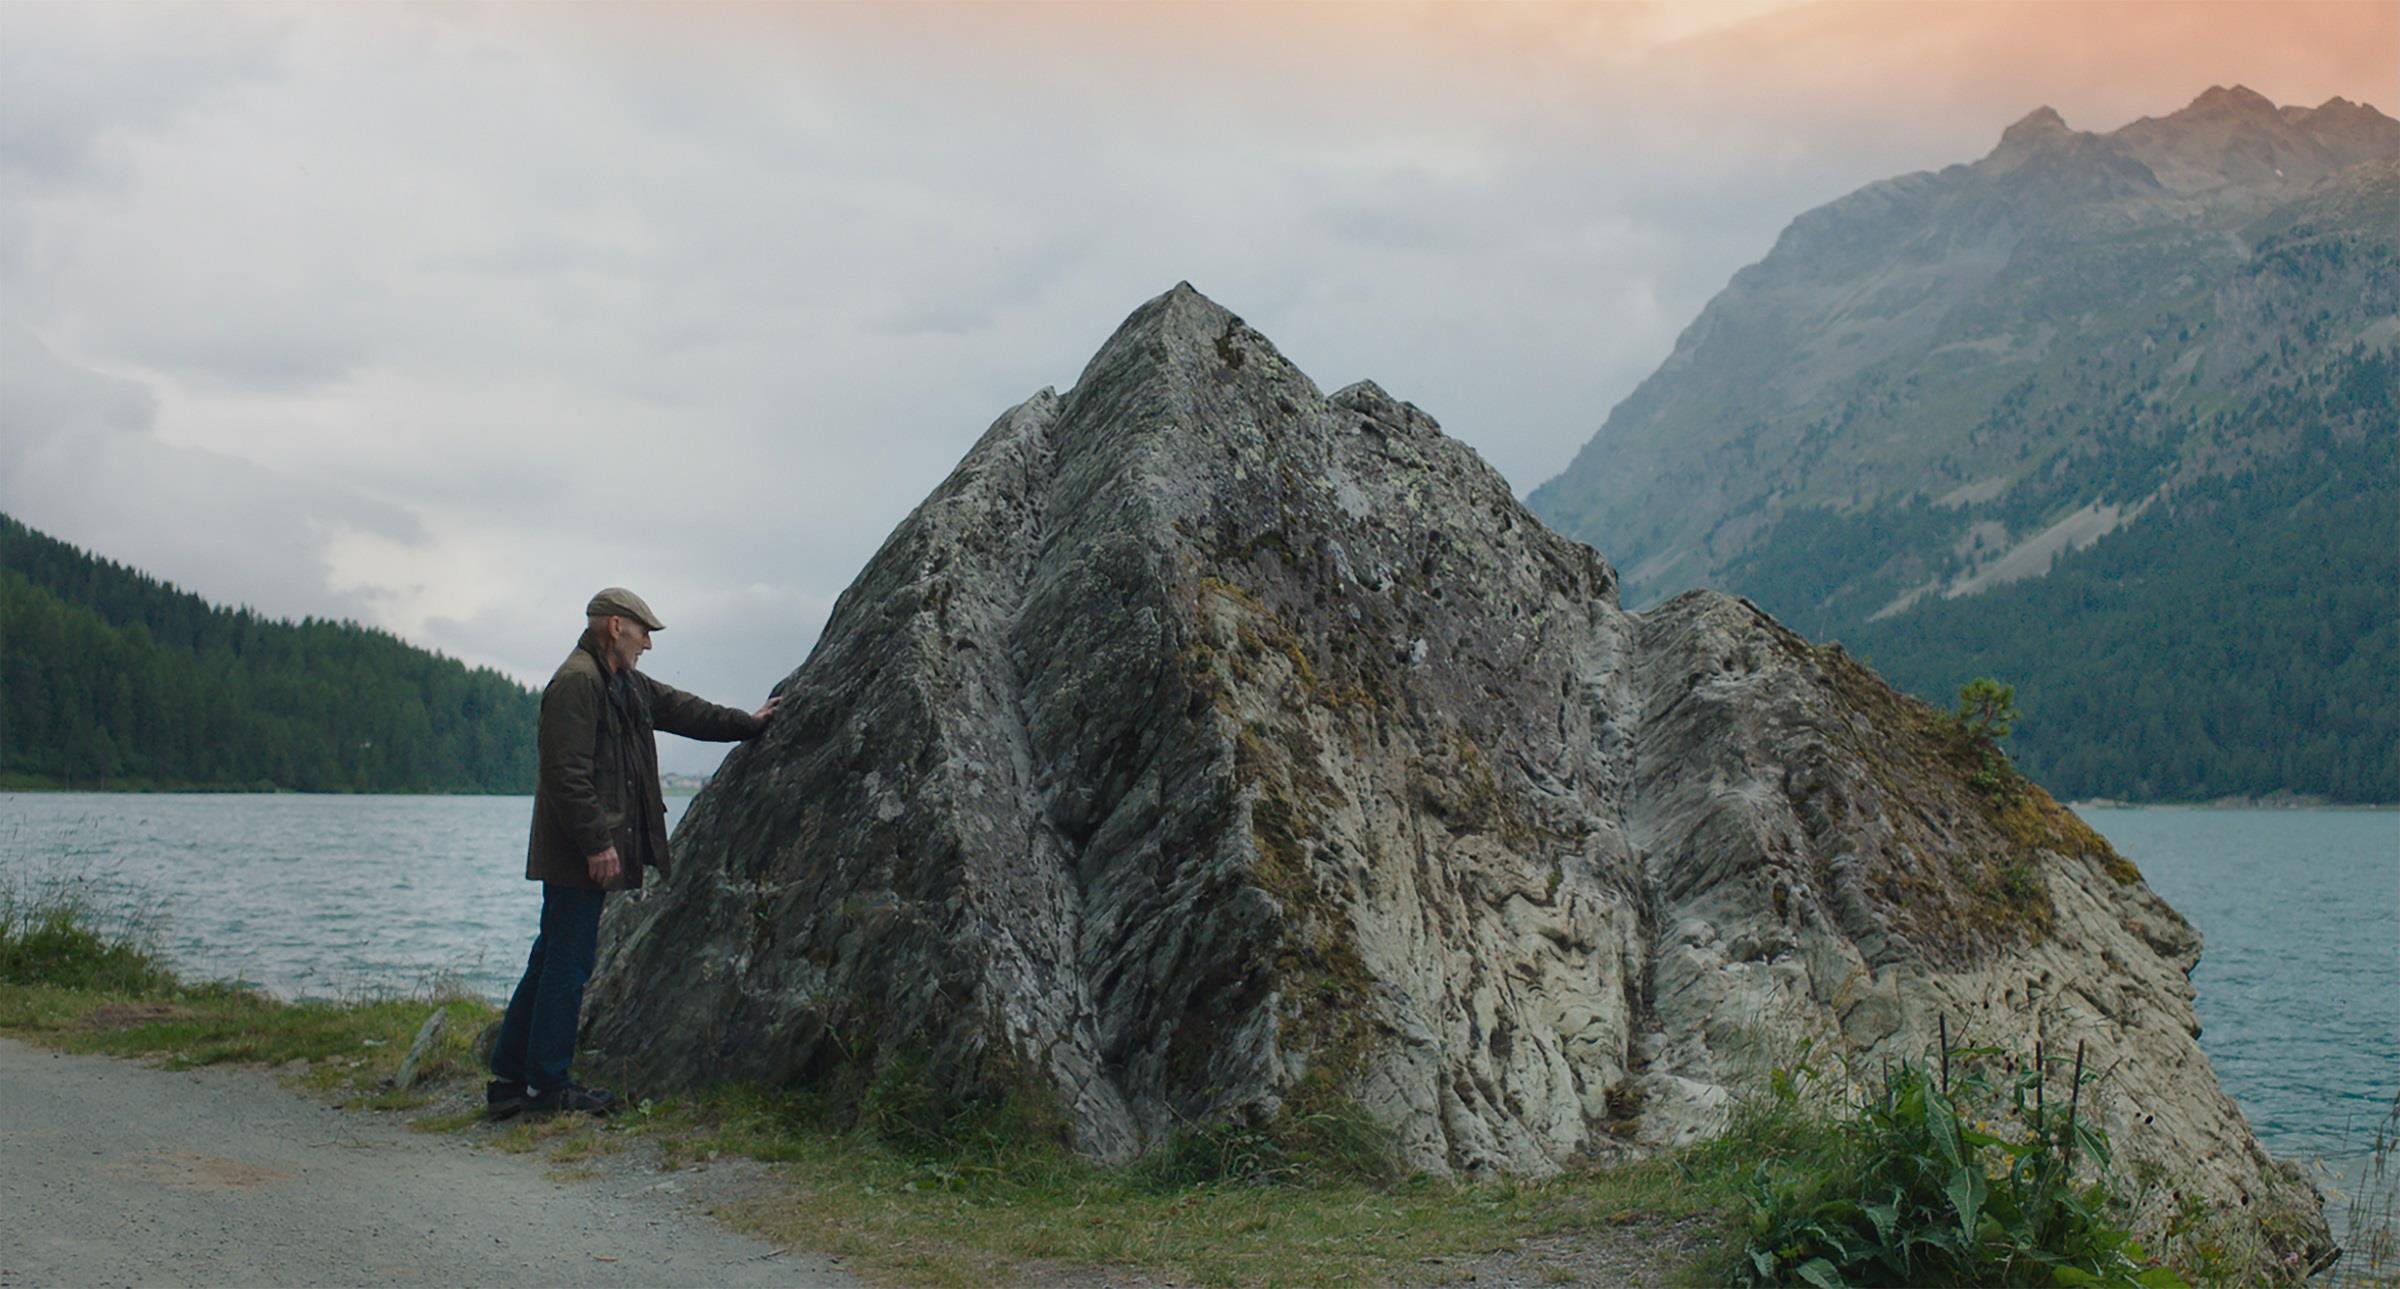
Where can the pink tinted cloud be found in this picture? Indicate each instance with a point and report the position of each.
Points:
(2100, 64)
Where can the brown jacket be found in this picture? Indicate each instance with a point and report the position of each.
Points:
(599, 767)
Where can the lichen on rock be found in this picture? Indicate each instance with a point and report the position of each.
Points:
(1206, 746)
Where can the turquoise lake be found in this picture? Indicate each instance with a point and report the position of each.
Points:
(2299, 987)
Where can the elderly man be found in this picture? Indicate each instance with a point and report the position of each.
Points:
(598, 821)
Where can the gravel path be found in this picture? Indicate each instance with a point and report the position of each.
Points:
(117, 1173)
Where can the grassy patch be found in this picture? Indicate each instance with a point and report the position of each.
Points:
(73, 980)
(985, 1208)
(346, 1047)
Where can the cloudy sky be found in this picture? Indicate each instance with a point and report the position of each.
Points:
(440, 316)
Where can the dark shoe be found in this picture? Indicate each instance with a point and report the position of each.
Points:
(572, 1099)
(503, 1100)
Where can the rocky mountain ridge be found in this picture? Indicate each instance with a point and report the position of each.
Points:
(1940, 392)
(1210, 749)
(1875, 352)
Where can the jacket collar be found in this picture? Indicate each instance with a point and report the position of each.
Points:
(590, 644)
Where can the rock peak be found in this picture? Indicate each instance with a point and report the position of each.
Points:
(2219, 99)
(1178, 323)
(2341, 109)
(2234, 143)
(2038, 129)
(1182, 304)
(2041, 120)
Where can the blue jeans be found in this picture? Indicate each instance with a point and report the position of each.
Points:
(537, 1036)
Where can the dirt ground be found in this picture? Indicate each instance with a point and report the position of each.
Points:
(114, 1172)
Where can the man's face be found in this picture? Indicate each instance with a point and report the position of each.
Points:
(628, 640)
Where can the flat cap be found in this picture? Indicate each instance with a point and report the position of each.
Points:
(617, 602)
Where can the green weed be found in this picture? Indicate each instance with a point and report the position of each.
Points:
(1939, 1180)
(2370, 1243)
(52, 932)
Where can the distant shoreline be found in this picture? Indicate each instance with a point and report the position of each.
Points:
(676, 786)
(49, 786)
(2235, 803)
(31, 787)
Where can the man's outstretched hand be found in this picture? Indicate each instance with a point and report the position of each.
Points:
(768, 712)
(604, 867)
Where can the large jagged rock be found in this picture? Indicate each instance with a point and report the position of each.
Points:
(1206, 746)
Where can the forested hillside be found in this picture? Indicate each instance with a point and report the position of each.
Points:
(110, 678)
(2241, 640)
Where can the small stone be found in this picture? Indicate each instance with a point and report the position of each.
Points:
(435, 1025)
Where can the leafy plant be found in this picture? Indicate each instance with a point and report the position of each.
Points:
(1935, 1181)
(1217, 1154)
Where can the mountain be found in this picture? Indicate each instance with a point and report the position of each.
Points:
(114, 679)
(1945, 396)
(1210, 750)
